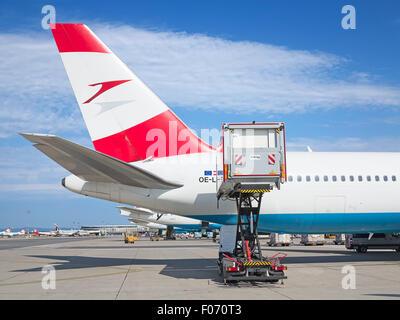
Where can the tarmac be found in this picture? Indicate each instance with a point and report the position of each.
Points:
(107, 268)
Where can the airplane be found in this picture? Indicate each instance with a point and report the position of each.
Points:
(8, 233)
(146, 156)
(44, 233)
(81, 232)
(57, 232)
(69, 233)
(168, 219)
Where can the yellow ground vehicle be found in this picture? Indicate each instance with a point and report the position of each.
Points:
(130, 237)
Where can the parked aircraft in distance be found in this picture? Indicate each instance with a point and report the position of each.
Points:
(89, 232)
(9, 233)
(69, 233)
(146, 156)
(44, 233)
(58, 232)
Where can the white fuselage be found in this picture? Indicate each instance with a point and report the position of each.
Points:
(9, 233)
(299, 207)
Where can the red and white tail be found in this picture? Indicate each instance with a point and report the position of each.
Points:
(8, 230)
(119, 110)
(35, 231)
(57, 228)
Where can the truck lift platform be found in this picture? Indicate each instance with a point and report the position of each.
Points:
(254, 163)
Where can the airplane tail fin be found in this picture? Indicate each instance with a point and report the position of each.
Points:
(125, 119)
(57, 228)
(35, 231)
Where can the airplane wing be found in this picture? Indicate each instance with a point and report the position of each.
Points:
(148, 224)
(137, 220)
(141, 211)
(91, 165)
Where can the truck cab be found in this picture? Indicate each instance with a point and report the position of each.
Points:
(130, 237)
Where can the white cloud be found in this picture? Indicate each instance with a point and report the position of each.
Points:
(185, 70)
(30, 187)
(213, 73)
(25, 169)
(36, 95)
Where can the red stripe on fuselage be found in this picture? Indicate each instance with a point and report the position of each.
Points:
(161, 136)
(74, 37)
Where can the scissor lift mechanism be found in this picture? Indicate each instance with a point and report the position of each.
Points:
(246, 262)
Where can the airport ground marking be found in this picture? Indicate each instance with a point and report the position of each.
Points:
(70, 278)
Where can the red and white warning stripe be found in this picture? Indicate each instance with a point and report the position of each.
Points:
(238, 159)
(271, 159)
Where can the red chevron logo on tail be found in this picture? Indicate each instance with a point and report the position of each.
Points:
(105, 86)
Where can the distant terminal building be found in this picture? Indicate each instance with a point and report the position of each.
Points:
(116, 229)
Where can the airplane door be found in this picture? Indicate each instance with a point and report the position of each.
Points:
(328, 213)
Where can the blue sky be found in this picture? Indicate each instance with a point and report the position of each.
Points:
(336, 89)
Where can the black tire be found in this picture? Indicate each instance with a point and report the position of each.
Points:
(362, 249)
(220, 269)
(398, 249)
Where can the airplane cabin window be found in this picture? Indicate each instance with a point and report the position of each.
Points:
(308, 179)
(325, 178)
(316, 178)
(351, 178)
(343, 178)
(360, 178)
(334, 178)
(376, 178)
(393, 178)
(299, 178)
(385, 178)
(290, 178)
(368, 178)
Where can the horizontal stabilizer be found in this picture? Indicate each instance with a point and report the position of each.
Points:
(94, 166)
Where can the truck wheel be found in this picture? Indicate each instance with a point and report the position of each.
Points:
(220, 269)
(363, 249)
(398, 249)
